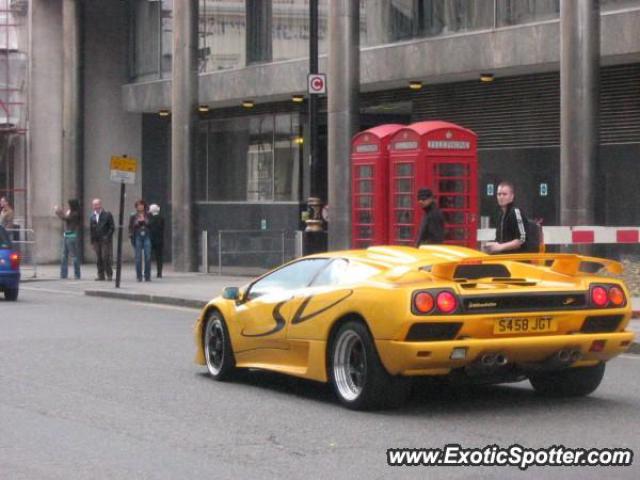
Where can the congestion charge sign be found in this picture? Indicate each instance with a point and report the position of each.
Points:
(317, 83)
(123, 169)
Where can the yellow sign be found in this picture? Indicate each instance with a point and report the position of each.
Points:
(123, 169)
(124, 164)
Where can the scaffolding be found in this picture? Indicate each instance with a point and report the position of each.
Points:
(14, 43)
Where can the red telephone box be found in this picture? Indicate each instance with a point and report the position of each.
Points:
(370, 181)
(441, 156)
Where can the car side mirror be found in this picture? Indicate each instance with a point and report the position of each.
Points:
(231, 293)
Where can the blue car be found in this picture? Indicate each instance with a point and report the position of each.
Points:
(9, 267)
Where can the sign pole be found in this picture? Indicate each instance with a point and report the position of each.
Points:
(314, 237)
(123, 170)
(120, 220)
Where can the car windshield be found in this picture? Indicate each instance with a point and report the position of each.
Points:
(4, 239)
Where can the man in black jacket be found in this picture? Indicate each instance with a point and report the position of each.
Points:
(102, 228)
(510, 230)
(432, 224)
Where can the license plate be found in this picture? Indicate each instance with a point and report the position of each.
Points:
(523, 325)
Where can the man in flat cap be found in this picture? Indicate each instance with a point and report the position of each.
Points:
(432, 225)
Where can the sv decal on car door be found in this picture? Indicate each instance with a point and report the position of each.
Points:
(298, 317)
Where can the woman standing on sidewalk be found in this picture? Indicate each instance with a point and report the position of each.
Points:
(72, 219)
(140, 237)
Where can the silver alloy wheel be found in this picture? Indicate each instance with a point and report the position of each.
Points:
(349, 365)
(214, 345)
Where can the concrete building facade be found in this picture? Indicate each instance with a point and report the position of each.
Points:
(249, 170)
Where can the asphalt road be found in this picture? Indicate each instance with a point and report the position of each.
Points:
(97, 388)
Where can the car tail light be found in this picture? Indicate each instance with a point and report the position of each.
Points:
(446, 302)
(423, 302)
(597, 346)
(14, 259)
(616, 296)
(599, 296)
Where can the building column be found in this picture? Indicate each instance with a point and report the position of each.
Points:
(579, 113)
(71, 102)
(45, 125)
(184, 95)
(342, 114)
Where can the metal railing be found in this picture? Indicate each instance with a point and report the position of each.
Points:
(24, 241)
(252, 252)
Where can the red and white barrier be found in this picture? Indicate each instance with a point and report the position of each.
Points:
(577, 235)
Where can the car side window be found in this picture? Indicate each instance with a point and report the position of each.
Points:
(341, 271)
(332, 274)
(293, 276)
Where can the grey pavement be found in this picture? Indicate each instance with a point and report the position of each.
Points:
(181, 289)
(192, 290)
(97, 388)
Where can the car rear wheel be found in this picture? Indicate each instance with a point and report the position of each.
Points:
(217, 348)
(571, 382)
(357, 374)
(11, 294)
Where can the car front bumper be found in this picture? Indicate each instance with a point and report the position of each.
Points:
(434, 358)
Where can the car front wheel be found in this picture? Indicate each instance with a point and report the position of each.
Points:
(217, 348)
(357, 374)
(571, 382)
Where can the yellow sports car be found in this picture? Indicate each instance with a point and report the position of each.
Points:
(368, 320)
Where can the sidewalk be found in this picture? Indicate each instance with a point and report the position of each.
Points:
(191, 290)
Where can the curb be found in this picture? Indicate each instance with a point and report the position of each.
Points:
(148, 298)
(634, 348)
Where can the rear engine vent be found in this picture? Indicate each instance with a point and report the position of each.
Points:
(472, 272)
(514, 281)
(428, 332)
(601, 324)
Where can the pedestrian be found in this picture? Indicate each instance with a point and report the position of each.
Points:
(432, 225)
(72, 219)
(140, 237)
(6, 213)
(156, 228)
(510, 228)
(102, 228)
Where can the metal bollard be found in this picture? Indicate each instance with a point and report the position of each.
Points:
(205, 251)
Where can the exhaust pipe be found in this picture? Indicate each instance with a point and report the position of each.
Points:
(564, 356)
(501, 359)
(559, 360)
(488, 360)
(576, 355)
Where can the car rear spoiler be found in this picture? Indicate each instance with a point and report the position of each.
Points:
(563, 263)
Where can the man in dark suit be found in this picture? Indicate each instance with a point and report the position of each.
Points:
(432, 224)
(102, 228)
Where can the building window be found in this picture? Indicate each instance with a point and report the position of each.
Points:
(146, 34)
(222, 34)
(166, 38)
(258, 31)
(290, 28)
(388, 21)
(514, 12)
(252, 159)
